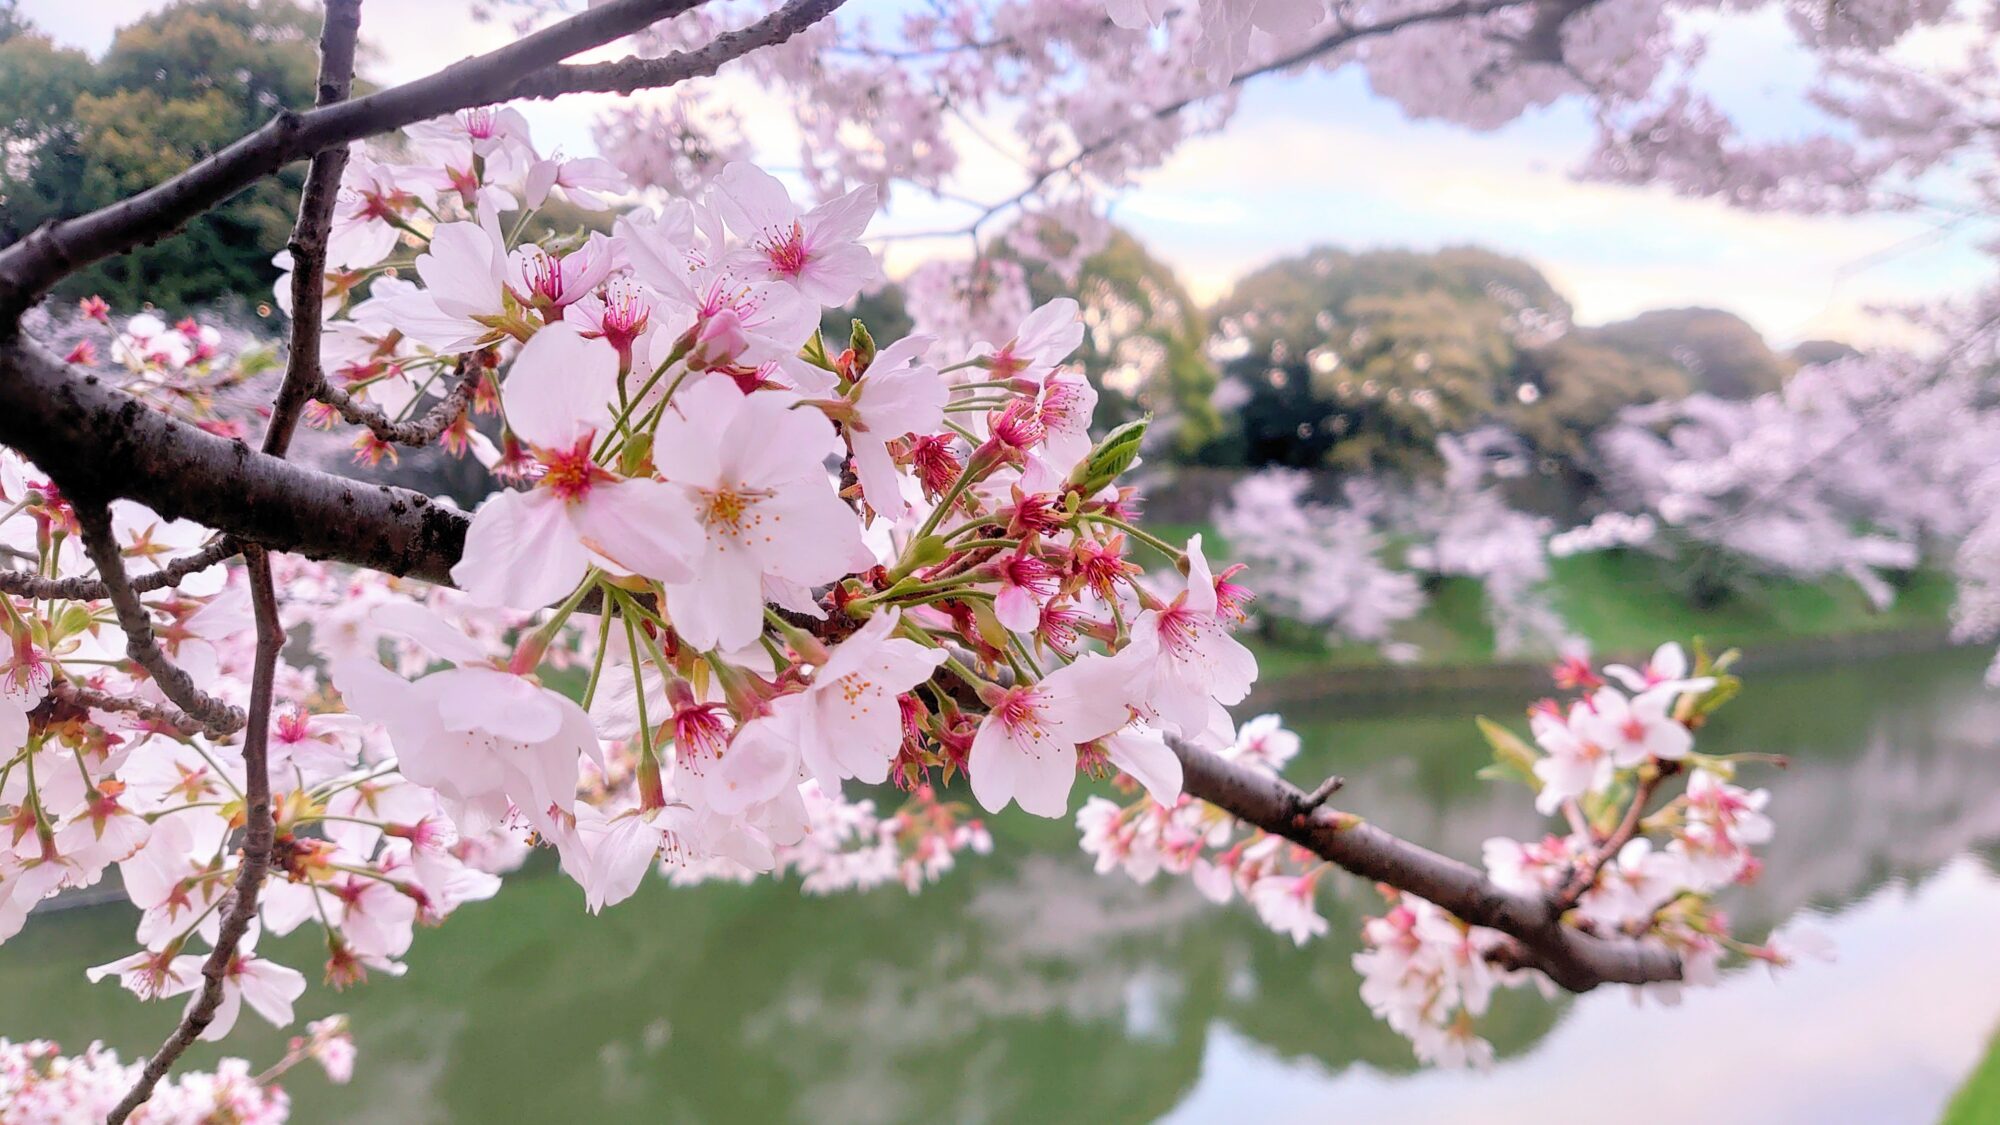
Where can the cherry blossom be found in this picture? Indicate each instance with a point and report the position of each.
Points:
(814, 251)
(527, 549)
(854, 727)
(1025, 750)
(752, 469)
(898, 395)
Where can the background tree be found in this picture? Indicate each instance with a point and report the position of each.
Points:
(175, 86)
(1719, 350)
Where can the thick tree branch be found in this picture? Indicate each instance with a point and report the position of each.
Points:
(1575, 960)
(99, 443)
(257, 842)
(313, 228)
(417, 431)
(29, 267)
(216, 717)
(629, 74)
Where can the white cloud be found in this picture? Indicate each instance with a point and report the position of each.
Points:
(1614, 250)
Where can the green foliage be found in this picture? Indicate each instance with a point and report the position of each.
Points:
(1613, 599)
(1110, 458)
(1580, 386)
(175, 86)
(883, 311)
(1361, 361)
(1978, 1101)
(1513, 758)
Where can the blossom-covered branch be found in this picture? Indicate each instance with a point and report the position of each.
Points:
(423, 430)
(1577, 961)
(776, 563)
(216, 716)
(30, 266)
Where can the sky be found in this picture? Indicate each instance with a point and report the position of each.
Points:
(1331, 164)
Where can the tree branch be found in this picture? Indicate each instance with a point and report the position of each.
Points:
(311, 231)
(1575, 960)
(417, 431)
(257, 842)
(82, 695)
(29, 267)
(634, 73)
(216, 717)
(1585, 876)
(92, 589)
(99, 443)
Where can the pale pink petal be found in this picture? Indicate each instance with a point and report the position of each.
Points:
(645, 527)
(560, 388)
(521, 551)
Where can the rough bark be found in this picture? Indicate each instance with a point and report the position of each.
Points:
(1573, 959)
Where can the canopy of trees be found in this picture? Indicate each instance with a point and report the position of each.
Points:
(1362, 361)
(174, 87)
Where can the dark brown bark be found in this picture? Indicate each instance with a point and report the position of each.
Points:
(629, 74)
(258, 837)
(99, 443)
(1575, 960)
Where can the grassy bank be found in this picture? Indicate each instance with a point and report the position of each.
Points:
(1622, 602)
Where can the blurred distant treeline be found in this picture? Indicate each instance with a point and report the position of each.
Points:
(1358, 362)
(175, 86)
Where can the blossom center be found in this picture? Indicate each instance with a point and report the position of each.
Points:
(789, 255)
(569, 473)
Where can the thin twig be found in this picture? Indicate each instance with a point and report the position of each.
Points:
(311, 231)
(417, 431)
(159, 714)
(217, 718)
(23, 585)
(1585, 875)
(302, 376)
(257, 841)
(1320, 794)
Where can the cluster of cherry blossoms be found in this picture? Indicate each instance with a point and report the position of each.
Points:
(1629, 865)
(39, 1084)
(204, 371)
(726, 568)
(1185, 836)
(1355, 568)
(1321, 564)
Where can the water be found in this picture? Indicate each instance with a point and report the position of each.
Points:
(1024, 988)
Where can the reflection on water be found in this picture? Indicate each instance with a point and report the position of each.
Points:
(1026, 989)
